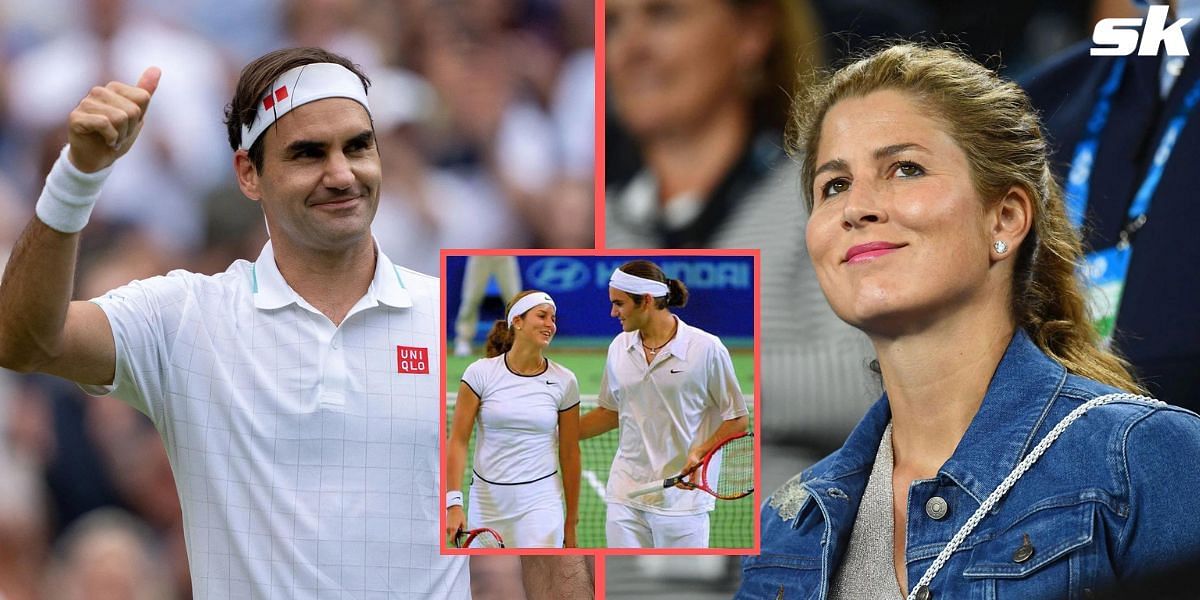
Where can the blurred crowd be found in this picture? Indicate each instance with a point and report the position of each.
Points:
(484, 112)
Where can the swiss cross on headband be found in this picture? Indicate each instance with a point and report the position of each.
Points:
(278, 96)
(298, 87)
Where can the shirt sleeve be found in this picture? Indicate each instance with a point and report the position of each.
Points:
(570, 397)
(474, 377)
(145, 316)
(723, 389)
(607, 398)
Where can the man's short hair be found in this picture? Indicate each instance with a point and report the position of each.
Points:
(255, 81)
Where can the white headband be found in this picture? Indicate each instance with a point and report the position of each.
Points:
(527, 302)
(637, 285)
(300, 86)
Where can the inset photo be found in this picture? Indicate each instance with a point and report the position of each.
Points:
(600, 400)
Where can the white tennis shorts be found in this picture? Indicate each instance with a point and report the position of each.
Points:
(527, 515)
(627, 527)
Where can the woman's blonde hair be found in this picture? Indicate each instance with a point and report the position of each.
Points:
(995, 124)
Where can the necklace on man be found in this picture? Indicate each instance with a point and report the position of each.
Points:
(654, 351)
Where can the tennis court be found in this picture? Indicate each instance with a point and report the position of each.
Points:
(731, 523)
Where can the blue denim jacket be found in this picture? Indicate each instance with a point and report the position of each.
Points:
(1113, 499)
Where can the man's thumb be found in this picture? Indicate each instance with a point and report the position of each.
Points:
(149, 79)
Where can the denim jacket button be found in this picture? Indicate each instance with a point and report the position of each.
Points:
(936, 508)
(1025, 551)
(923, 593)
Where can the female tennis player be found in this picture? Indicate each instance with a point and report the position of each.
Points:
(1009, 456)
(527, 406)
(671, 389)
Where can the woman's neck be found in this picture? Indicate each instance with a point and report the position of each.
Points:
(525, 359)
(694, 160)
(936, 380)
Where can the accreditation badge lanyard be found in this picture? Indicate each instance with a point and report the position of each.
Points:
(1106, 270)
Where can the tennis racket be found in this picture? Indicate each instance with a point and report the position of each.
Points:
(727, 471)
(478, 538)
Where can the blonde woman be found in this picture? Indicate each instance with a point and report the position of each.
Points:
(1009, 456)
(527, 410)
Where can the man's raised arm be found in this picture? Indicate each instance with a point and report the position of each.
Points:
(40, 328)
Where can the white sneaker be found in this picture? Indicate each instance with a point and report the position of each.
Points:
(462, 348)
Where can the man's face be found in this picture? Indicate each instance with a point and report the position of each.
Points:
(632, 316)
(319, 184)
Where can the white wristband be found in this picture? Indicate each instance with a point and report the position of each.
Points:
(454, 499)
(67, 200)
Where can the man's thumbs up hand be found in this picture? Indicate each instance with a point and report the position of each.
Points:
(107, 121)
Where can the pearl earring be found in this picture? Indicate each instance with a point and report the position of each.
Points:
(1000, 247)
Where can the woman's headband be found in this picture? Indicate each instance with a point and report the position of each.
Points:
(637, 285)
(527, 302)
(300, 86)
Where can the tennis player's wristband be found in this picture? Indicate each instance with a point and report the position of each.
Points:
(67, 200)
(453, 499)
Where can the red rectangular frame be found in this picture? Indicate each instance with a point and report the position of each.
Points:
(600, 553)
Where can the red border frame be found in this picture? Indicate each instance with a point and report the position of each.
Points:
(600, 553)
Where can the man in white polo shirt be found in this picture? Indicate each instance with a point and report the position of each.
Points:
(296, 394)
(671, 389)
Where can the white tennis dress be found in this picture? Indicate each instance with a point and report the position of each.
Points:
(516, 490)
(664, 409)
(306, 454)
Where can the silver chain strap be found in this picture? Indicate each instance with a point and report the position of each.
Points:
(1011, 480)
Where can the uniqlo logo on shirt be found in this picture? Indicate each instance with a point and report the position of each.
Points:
(410, 359)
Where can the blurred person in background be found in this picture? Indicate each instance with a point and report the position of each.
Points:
(181, 155)
(702, 88)
(423, 207)
(495, 80)
(24, 526)
(1125, 135)
(479, 271)
(108, 555)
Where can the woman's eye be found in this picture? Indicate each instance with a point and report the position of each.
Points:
(908, 169)
(834, 187)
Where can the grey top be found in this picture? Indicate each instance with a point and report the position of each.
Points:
(867, 571)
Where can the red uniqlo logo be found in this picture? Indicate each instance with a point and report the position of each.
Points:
(410, 359)
(278, 96)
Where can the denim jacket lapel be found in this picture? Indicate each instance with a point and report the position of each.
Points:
(1002, 432)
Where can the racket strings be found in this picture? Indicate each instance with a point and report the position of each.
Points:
(736, 476)
(483, 539)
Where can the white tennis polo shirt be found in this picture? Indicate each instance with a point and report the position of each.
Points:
(306, 455)
(517, 436)
(664, 408)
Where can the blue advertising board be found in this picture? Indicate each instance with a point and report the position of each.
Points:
(720, 301)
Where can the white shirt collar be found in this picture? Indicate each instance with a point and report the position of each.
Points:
(272, 291)
(678, 346)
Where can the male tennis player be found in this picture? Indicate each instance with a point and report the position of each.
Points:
(296, 394)
(671, 389)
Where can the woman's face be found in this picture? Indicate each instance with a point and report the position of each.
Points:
(537, 326)
(672, 63)
(898, 234)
